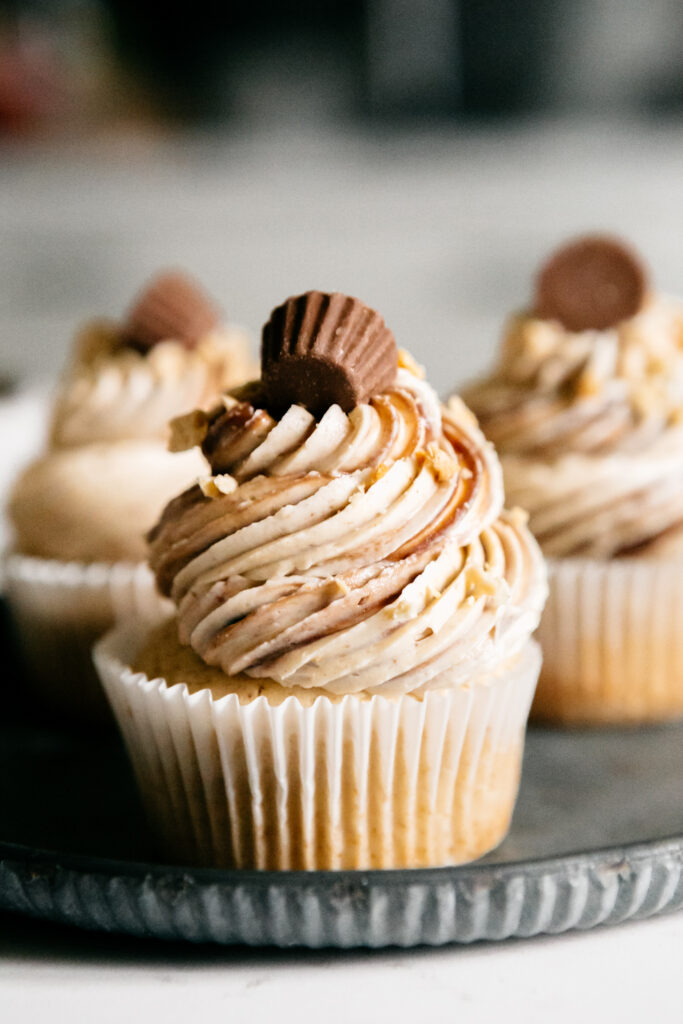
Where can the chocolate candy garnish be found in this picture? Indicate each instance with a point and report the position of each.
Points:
(322, 349)
(172, 306)
(591, 283)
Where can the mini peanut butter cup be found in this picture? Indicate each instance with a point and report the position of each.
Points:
(593, 282)
(172, 306)
(321, 349)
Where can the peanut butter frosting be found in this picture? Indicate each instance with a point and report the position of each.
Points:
(94, 503)
(114, 391)
(357, 552)
(107, 472)
(589, 426)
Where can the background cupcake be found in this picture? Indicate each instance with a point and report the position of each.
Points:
(79, 512)
(585, 406)
(347, 678)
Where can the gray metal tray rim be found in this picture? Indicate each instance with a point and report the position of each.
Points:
(24, 856)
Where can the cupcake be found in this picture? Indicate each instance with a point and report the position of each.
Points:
(79, 512)
(346, 679)
(585, 407)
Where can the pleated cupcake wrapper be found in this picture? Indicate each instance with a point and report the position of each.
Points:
(58, 610)
(612, 639)
(350, 784)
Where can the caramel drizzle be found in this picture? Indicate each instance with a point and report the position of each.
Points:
(466, 491)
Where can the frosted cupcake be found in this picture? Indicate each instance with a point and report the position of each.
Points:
(171, 354)
(347, 677)
(79, 512)
(585, 406)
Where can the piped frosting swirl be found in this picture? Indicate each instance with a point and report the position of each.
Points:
(107, 472)
(362, 551)
(589, 425)
(114, 392)
(168, 355)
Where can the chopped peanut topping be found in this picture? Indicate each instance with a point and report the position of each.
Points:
(539, 338)
(477, 584)
(338, 588)
(402, 610)
(217, 486)
(379, 472)
(188, 431)
(96, 340)
(441, 465)
(588, 384)
(519, 516)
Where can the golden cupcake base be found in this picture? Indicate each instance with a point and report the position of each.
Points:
(273, 783)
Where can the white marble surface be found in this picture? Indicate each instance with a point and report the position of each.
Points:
(629, 974)
(441, 233)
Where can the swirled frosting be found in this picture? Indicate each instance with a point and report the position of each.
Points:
(107, 472)
(356, 553)
(589, 425)
(113, 392)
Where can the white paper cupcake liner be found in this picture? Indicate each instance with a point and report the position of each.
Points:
(612, 640)
(59, 609)
(377, 783)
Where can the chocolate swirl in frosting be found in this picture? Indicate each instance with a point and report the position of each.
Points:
(359, 552)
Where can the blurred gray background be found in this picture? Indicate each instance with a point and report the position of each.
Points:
(422, 155)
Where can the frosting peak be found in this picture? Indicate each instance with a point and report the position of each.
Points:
(555, 390)
(114, 392)
(589, 426)
(360, 551)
